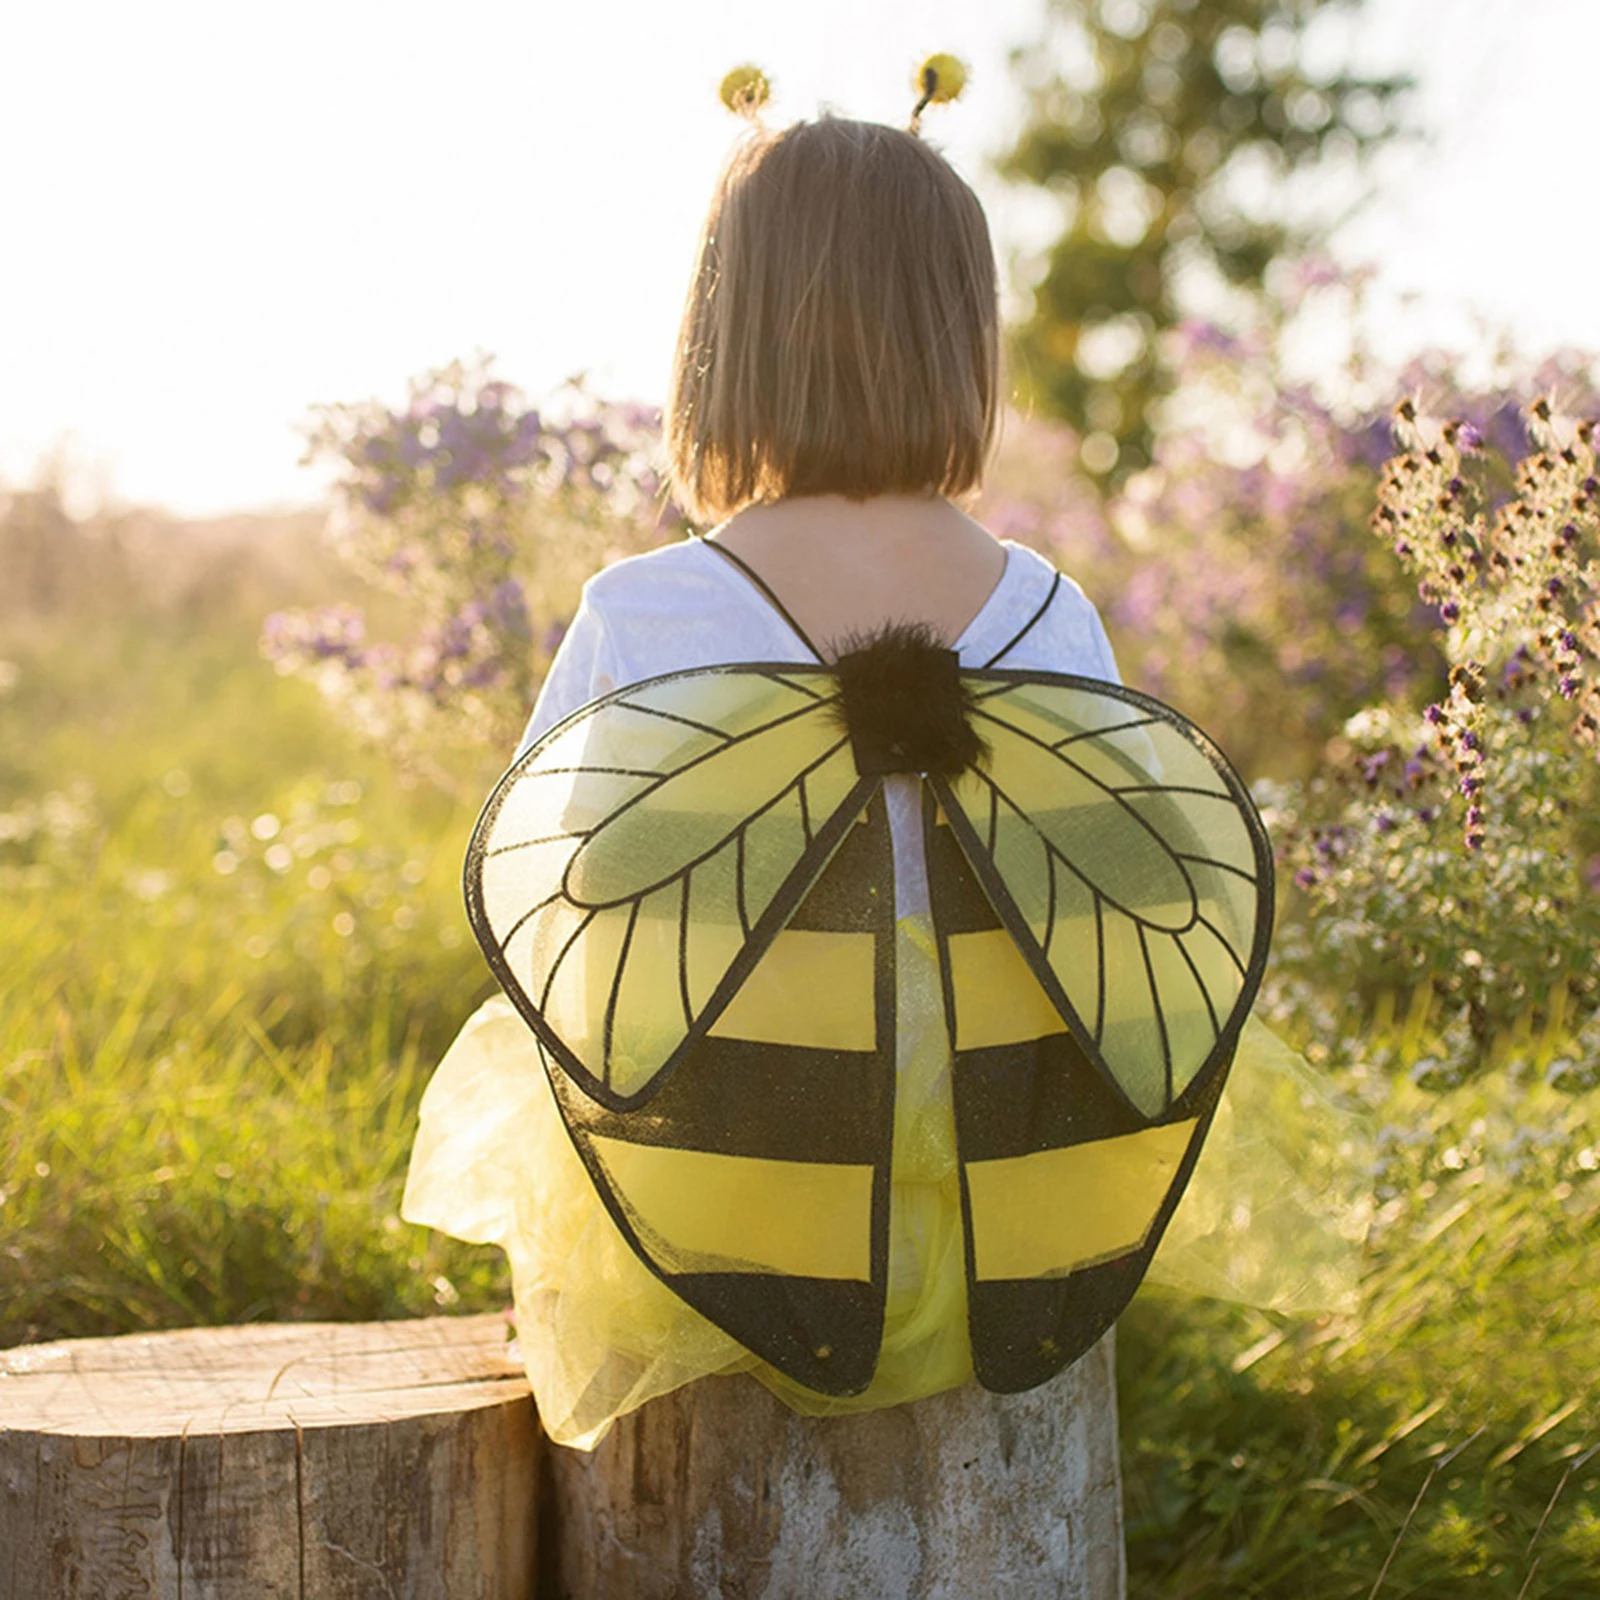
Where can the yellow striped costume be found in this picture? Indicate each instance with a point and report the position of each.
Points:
(686, 889)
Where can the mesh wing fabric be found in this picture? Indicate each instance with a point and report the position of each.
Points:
(687, 891)
(1104, 896)
(1127, 862)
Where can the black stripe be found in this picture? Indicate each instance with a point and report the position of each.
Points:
(1205, 993)
(1223, 940)
(1172, 788)
(1100, 970)
(1039, 1094)
(1024, 1331)
(561, 955)
(1221, 866)
(527, 844)
(742, 1097)
(739, 895)
(856, 882)
(532, 911)
(822, 1332)
(953, 886)
(683, 956)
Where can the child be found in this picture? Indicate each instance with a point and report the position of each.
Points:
(834, 401)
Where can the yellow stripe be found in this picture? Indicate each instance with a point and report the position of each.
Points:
(810, 989)
(998, 999)
(1046, 1214)
(705, 1212)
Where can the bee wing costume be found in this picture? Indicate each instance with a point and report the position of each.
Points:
(687, 889)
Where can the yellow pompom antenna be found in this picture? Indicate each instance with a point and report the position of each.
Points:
(745, 90)
(940, 79)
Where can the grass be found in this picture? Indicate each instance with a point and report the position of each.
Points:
(233, 947)
(1268, 1457)
(208, 1077)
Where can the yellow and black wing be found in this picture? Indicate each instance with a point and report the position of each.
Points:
(1102, 890)
(686, 890)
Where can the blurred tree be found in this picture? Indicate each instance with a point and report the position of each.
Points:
(1170, 128)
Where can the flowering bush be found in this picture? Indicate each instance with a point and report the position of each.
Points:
(1441, 855)
(1233, 573)
(482, 516)
(1453, 845)
(1226, 570)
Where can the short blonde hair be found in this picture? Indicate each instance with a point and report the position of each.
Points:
(841, 334)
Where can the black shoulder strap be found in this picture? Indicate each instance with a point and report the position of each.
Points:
(762, 586)
(1027, 627)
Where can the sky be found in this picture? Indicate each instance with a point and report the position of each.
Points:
(216, 217)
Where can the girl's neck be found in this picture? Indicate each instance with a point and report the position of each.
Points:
(833, 517)
(846, 566)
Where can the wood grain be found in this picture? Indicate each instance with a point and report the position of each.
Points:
(293, 1460)
(719, 1490)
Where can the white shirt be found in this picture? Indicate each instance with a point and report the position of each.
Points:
(686, 606)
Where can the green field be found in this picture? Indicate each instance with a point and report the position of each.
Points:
(232, 946)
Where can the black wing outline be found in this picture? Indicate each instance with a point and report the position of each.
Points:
(977, 841)
(822, 1331)
(753, 1311)
(823, 838)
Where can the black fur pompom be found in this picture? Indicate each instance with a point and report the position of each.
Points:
(904, 704)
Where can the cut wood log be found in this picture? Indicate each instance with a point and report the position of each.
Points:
(297, 1460)
(720, 1491)
(307, 1461)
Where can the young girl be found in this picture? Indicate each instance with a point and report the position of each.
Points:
(833, 405)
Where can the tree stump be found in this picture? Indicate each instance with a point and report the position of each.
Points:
(719, 1491)
(296, 1460)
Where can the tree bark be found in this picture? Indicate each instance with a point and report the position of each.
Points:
(294, 1460)
(719, 1492)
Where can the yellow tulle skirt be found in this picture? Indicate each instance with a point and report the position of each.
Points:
(1274, 1216)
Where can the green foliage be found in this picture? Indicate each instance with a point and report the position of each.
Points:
(1146, 117)
(210, 1053)
(1442, 1435)
(233, 949)
(195, 1130)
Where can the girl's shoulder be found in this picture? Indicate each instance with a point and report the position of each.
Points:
(1038, 617)
(648, 579)
(683, 605)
